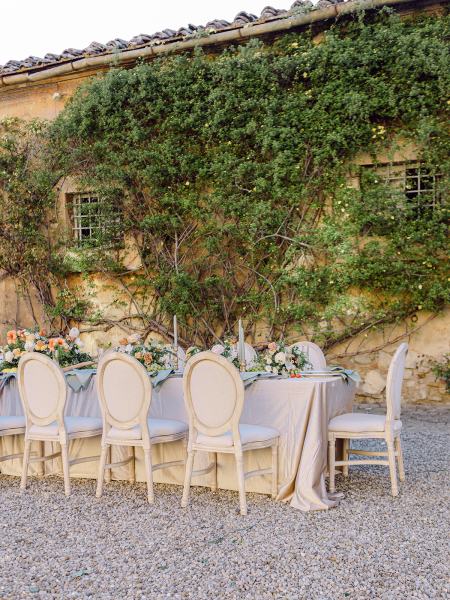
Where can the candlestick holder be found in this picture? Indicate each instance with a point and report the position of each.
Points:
(242, 365)
(175, 358)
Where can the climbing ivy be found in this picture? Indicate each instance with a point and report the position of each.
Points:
(234, 180)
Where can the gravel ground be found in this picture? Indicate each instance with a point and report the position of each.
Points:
(371, 546)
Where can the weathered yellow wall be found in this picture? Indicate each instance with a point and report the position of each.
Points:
(37, 101)
(429, 342)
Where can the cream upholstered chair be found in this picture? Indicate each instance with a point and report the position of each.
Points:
(125, 393)
(43, 393)
(11, 425)
(316, 356)
(250, 353)
(359, 425)
(214, 398)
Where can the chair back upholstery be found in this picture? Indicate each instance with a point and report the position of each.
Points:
(213, 394)
(394, 383)
(250, 354)
(124, 391)
(42, 389)
(316, 356)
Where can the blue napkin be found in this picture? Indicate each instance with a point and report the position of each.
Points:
(249, 377)
(79, 379)
(4, 378)
(160, 377)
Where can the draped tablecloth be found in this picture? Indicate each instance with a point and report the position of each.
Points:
(298, 408)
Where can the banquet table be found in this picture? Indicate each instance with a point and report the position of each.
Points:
(299, 409)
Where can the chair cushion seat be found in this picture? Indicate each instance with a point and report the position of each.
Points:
(248, 433)
(157, 427)
(11, 422)
(73, 425)
(360, 422)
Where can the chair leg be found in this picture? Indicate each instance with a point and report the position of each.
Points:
(274, 470)
(241, 482)
(131, 466)
(108, 472)
(331, 461)
(187, 478)
(345, 449)
(26, 460)
(392, 467)
(65, 465)
(401, 467)
(149, 474)
(101, 471)
(214, 472)
(41, 454)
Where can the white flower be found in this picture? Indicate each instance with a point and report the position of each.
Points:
(9, 356)
(29, 346)
(74, 333)
(274, 370)
(268, 369)
(218, 349)
(128, 348)
(280, 358)
(268, 360)
(79, 343)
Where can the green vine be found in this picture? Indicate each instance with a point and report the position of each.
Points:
(232, 177)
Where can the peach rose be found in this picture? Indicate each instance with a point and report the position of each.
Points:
(11, 336)
(53, 342)
(123, 342)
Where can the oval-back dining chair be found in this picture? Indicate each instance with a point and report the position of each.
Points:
(43, 392)
(315, 354)
(125, 394)
(251, 355)
(361, 425)
(214, 398)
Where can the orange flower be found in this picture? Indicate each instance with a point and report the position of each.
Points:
(11, 336)
(123, 342)
(53, 342)
(148, 358)
(42, 332)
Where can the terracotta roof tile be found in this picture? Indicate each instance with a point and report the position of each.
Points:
(242, 19)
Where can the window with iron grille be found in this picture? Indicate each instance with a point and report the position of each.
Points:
(415, 189)
(94, 222)
(418, 184)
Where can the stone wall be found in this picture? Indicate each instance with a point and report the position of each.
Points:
(428, 341)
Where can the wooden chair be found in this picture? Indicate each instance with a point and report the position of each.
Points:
(214, 398)
(125, 392)
(316, 356)
(251, 356)
(43, 393)
(12, 425)
(362, 426)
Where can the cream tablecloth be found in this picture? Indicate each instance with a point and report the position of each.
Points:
(299, 408)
